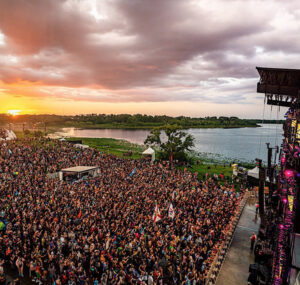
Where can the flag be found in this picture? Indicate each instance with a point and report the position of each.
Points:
(132, 172)
(79, 215)
(156, 216)
(173, 195)
(171, 212)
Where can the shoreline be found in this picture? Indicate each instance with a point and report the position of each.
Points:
(151, 127)
(53, 129)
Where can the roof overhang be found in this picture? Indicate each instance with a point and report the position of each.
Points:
(282, 86)
(79, 169)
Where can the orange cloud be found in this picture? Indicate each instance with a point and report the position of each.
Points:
(63, 55)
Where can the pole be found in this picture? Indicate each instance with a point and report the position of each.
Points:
(276, 152)
(261, 191)
(270, 171)
(269, 159)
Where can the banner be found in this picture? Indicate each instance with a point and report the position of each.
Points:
(156, 216)
(132, 172)
(171, 212)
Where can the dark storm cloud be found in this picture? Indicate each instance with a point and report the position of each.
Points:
(126, 44)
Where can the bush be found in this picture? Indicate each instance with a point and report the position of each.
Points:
(38, 133)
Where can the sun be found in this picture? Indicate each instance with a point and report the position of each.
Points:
(14, 112)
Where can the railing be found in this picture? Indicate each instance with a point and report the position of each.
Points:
(224, 247)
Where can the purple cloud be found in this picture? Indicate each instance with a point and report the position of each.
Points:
(135, 50)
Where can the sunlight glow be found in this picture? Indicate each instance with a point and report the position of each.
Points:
(2, 39)
(13, 112)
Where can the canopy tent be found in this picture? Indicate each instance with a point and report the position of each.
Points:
(150, 151)
(253, 177)
(254, 172)
(82, 146)
(7, 135)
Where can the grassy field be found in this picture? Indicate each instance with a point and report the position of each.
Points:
(211, 169)
(113, 146)
(109, 146)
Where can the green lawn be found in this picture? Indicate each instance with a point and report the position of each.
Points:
(210, 169)
(113, 146)
(107, 145)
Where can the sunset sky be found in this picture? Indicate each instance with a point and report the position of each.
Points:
(188, 57)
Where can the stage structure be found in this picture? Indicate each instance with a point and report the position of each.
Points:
(78, 172)
(279, 234)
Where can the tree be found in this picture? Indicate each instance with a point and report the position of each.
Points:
(176, 145)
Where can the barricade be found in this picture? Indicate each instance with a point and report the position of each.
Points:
(220, 256)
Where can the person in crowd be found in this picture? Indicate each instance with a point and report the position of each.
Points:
(2, 275)
(101, 230)
(252, 239)
(256, 208)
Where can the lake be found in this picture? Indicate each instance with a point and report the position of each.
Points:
(243, 144)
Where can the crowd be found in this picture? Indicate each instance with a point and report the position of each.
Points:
(101, 230)
(2, 134)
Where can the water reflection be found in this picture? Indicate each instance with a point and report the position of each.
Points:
(243, 143)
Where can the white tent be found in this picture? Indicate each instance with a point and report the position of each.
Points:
(254, 172)
(82, 146)
(9, 135)
(150, 151)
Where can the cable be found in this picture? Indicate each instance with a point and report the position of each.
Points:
(262, 125)
(269, 135)
(276, 136)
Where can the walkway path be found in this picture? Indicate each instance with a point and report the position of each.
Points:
(235, 269)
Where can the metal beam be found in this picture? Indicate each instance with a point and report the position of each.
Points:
(278, 90)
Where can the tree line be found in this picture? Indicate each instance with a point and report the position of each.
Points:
(127, 120)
